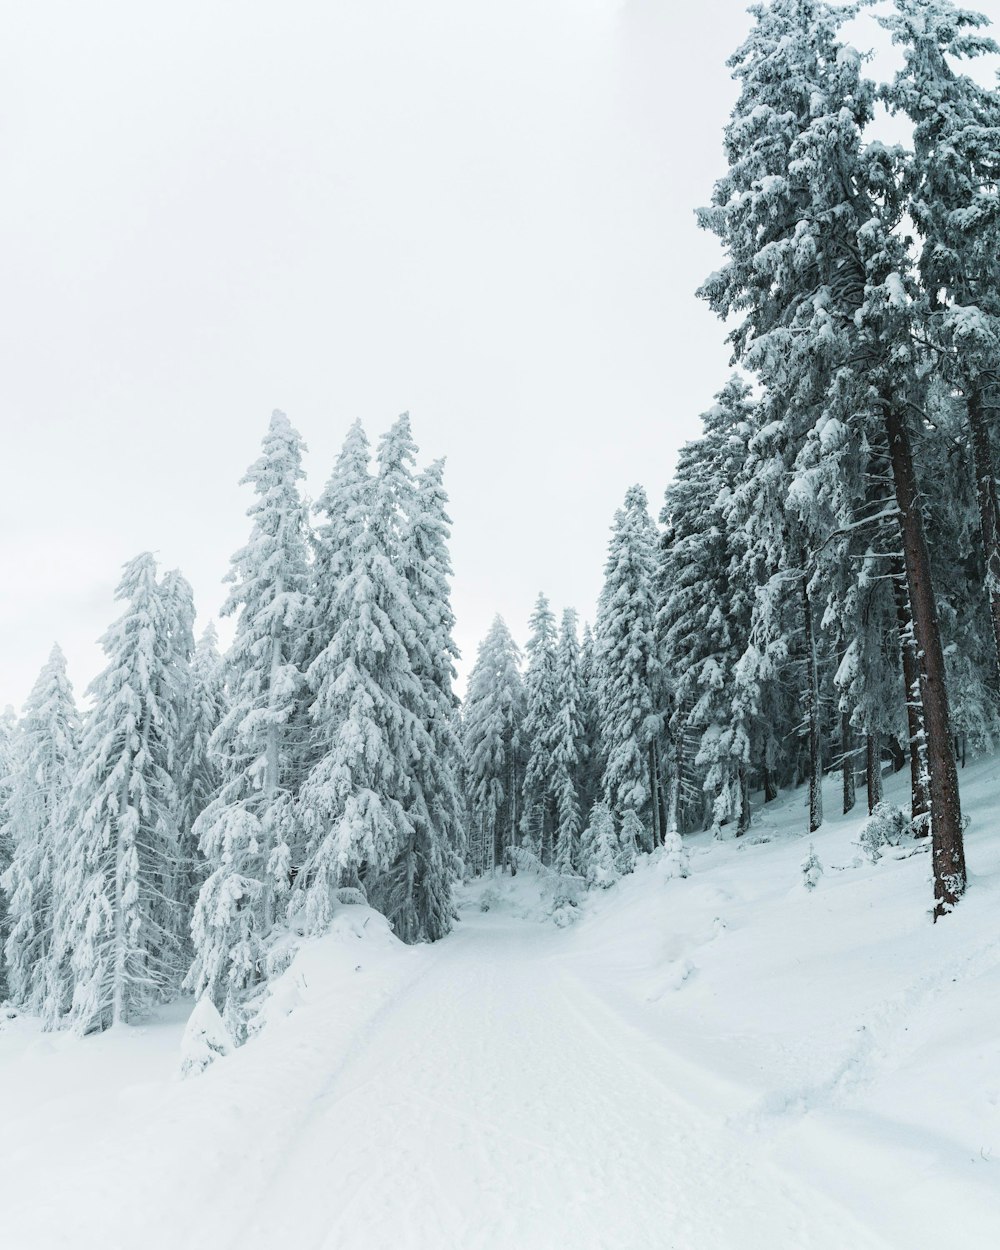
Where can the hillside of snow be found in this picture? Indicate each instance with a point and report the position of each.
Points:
(724, 1061)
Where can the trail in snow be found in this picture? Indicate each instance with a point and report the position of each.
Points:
(498, 1104)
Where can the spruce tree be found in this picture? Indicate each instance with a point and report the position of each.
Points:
(627, 666)
(492, 725)
(538, 814)
(246, 832)
(121, 922)
(44, 765)
(568, 745)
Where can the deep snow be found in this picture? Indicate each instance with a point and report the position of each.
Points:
(721, 1062)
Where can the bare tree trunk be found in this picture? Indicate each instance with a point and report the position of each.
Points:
(770, 785)
(919, 797)
(847, 746)
(947, 848)
(873, 754)
(743, 822)
(812, 702)
(654, 797)
(989, 509)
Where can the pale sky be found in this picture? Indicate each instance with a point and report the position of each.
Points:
(477, 210)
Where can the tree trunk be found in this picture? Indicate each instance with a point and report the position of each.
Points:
(770, 785)
(873, 760)
(743, 823)
(919, 797)
(654, 794)
(847, 746)
(989, 510)
(947, 849)
(812, 702)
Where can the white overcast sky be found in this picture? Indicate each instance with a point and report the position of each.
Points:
(477, 210)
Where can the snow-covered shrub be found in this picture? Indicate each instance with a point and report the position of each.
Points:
(631, 839)
(675, 856)
(205, 1039)
(888, 825)
(604, 850)
(812, 869)
(489, 898)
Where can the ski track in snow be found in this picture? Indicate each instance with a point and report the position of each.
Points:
(485, 1108)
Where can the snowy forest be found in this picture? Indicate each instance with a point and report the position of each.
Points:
(820, 594)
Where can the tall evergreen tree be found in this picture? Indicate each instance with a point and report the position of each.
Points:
(492, 739)
(246, 831)
(627, 665)
(568, 745)
(44, 764)
(538, 808)
(122, 925)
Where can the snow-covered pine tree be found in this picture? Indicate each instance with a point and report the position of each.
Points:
(628, 668)
(492, 722)
(952, 188)
(705, 606)
(601, 849)
(245, 833)
(121, 924)
(818, 269)
(199, 776)
(538, 806)
(43, 768)
(363, 802)
(418, 887)
(568, 745)
(592, 747)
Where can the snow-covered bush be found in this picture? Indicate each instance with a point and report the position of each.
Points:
(888, 825)
(675, 856)
(604, 850)
(631, 838)
(205, 1039)
(812, 869)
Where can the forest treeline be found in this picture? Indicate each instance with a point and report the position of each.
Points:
(821, 593)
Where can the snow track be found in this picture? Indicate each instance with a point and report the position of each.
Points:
(496, 1103)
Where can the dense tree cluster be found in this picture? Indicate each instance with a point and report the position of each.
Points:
(822, 593)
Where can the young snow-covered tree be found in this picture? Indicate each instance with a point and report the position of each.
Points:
(121, 922)
(246, 831)
(538, 803)
(601, 849)
(491, 731)
(568, 745)
(628, 669)
(43, 767)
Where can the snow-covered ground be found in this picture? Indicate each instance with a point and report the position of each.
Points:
(722, 1062)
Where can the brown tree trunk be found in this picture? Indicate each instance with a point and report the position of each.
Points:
(812, 704)
(873, 761)
(919, 797)
(989, 509)
(947, 849)
(847, 746)
(743, 823)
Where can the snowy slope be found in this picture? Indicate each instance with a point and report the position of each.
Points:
(726, 1061)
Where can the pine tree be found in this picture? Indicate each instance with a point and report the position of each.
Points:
(568, 745)
(246, 831)
(43, 767)
(491, 728)
(627, 665)
(818, 269)
(199, 774)
(601, 849)
(121, 922)
(538, 813)
(8, 728)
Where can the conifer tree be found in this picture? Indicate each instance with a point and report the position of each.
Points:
(121, 924)
(627, 665)
(568, 745)
(246, 831)
(43, 767)
(491, 728)
(538, 814)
